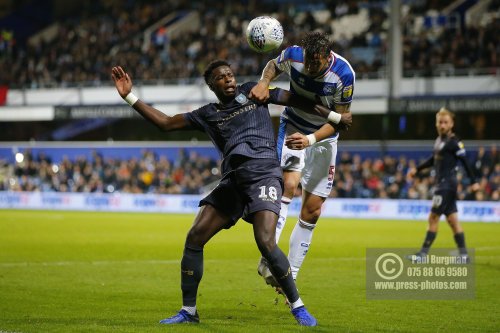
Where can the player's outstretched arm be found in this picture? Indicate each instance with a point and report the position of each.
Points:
(340, 121)
(413, 171)
(298, 141)
(345, 115)
(123, 84)
(260, 92)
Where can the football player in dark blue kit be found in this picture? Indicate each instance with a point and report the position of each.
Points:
(251, 186)
(448, 150)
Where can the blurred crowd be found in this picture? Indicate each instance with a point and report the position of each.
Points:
(386, 178)
(191, 173)
(149, 173)
(109, 32)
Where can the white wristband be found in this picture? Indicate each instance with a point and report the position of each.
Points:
(334, 117)
(131, 99)
(311, 138)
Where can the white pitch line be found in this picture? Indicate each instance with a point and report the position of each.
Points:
(73, 263)
(161, 262)
(135, 262)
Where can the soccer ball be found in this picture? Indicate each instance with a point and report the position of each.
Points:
(264, 34)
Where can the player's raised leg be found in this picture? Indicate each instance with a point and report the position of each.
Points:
(264, 224)
(301, 237)
(291, 181)
(285, 202)
(292, 163)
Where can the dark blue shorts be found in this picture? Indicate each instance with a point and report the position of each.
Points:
(252, 186)
(444, 202)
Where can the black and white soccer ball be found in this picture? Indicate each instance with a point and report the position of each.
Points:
(264, 34)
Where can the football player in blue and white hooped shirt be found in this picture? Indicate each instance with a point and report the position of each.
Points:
(318, 73)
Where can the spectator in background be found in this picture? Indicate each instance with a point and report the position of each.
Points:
(81, 53)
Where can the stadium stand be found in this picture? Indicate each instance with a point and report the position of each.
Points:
(81, 48)
(186, 171)
(171, 41)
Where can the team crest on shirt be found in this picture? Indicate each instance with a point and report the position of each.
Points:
(328, 89)
(242, 99)
(347, 91)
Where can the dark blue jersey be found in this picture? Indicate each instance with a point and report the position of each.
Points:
(239, 127)
(447, 152)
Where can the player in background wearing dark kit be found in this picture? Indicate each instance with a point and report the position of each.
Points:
(251, 186)
(448, 150)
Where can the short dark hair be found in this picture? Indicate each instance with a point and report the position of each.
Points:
(211, 66)
(316, 42)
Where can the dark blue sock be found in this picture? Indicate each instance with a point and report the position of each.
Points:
(191, 273)
(280, 267)
(460, 240)
(429, 238)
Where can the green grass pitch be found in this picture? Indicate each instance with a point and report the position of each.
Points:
(119, 272)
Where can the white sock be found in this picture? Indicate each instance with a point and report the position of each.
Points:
(300, 240)
(297, 303)
(190, 309)
(282, 218)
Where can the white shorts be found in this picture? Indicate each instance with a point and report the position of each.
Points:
(316, 162)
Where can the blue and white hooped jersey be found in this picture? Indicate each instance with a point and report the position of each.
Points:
(334, 86)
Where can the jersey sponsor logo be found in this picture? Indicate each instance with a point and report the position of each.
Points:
(347, 91)
(242, 99)
(242, 110)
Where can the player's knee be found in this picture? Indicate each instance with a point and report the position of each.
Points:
(310, 213)
(196, 236)
(434, 218)
(266, 249)
(265, 245)
(455, 226)
(289, 187)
